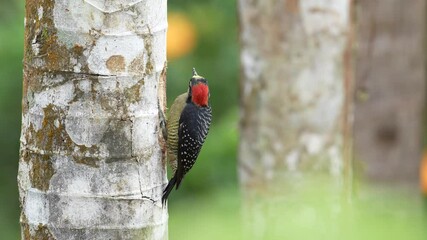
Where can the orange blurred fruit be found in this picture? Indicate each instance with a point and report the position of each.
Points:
(423, 173)
(181, 36)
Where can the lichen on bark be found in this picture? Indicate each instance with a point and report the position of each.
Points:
(90, 145)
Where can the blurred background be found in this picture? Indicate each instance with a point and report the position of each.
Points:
(11, 55)
(205, 36)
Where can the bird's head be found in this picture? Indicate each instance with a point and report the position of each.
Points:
(198, 90)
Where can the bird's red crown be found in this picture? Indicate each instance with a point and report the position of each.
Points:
(200, 94)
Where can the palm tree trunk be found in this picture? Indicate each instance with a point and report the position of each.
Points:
(296, 99)
(390, 89)
(91, 159)
(295, 89)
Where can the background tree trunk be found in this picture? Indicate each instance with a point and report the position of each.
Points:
(296, 93)
(390, 88)
(297, 101)
(92, 165)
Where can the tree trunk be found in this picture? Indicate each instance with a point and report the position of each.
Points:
(296, 93)
(297, 100)
(91, 159)
(390, 78)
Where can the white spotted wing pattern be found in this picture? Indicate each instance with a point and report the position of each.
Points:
(194, 125)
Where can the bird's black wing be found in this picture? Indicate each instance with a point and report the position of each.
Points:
(193, 128)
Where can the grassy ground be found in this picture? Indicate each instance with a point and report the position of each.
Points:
(379, 214)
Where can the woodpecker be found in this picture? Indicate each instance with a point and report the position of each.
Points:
(187, 127)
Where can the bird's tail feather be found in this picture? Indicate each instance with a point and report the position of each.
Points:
(168, 189)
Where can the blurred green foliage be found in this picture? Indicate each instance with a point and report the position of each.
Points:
(215, 56)
(379, 214)
(11, 51)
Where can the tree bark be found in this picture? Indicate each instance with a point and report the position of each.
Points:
(296, 100)
(91, 159)
(295, 89)
(390, 88)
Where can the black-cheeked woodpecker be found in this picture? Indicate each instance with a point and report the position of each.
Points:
(187, 127)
